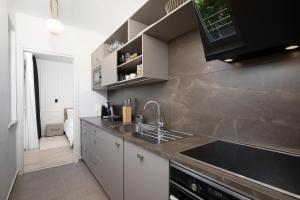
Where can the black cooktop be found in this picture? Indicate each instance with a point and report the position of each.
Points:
(276, 169)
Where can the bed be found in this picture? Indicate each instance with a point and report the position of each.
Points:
(68, 124)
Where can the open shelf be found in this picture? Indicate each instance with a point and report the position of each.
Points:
(150, 12)
(135, 28)
(120, 34)
(178, 22)
(129, 80)
(147, 33)
(134, 46)
(131, 63)
(133, 82)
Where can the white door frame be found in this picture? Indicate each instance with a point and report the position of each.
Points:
(21, 104)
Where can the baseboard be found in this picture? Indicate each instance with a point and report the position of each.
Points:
(43, 168)
(12, 185)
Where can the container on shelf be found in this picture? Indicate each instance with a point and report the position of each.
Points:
(173, 4)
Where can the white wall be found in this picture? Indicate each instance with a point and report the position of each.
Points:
(55, 82)
(32, 34)
(8, 165)
(100, 16)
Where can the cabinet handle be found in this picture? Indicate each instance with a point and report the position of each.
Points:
(140, 156)
(117, 144)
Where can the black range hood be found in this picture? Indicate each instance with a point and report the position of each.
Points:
(238, 29)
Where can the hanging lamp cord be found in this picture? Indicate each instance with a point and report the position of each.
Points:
(57, 9)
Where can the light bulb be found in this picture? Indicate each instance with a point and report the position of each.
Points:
(55, 27)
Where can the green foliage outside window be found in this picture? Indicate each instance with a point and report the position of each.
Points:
(209, 8)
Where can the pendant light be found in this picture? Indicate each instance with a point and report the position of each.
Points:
(54, 26)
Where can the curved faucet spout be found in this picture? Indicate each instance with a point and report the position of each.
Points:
(159, 116)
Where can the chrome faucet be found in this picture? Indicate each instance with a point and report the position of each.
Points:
(160, 122)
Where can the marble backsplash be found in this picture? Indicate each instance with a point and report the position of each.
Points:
(255, 101)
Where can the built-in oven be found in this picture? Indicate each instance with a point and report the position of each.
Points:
(187, 184)
(97, 78)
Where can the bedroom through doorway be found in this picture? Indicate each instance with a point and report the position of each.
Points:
(49, 111)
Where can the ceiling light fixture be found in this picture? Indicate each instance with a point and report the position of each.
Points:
(54, 26)
(228, 60)
(291, 47)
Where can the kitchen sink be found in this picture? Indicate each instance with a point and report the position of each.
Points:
(155, 135)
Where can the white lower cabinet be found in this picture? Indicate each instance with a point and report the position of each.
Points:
(146, 175)
(103, 154)
(125, 171)
(113, 167)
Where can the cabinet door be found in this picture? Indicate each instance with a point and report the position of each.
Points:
(98, 155)
(95, 58)
(85, 141)
(146, 175)
(113, 167)
(109, 69)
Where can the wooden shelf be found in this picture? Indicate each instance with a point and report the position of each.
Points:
(147, 33)
(180, 21)
(150, 12)
(133, 82)
(121, 34)
(131, 63)
(129, 80)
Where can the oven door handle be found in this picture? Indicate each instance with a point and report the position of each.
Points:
(182, 189)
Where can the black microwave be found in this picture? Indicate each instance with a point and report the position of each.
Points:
(239, 29)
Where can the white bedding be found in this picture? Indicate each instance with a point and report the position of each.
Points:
(68, 126)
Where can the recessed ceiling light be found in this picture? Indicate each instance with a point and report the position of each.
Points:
(228, 60)
(291, 47)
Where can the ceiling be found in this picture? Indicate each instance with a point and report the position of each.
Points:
(102, 16)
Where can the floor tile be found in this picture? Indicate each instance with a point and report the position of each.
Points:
(67, 182)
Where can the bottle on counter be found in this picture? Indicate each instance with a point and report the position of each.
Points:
(127, 111)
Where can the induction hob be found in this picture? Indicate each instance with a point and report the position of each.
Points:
(268, 167)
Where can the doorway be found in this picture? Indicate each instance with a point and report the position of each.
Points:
(49, 110)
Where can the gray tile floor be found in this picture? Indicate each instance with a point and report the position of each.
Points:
(67, 182)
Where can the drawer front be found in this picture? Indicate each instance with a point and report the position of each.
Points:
(91, 129)
(97, 144)
(97, 167)
(86, 156)
(92, 145)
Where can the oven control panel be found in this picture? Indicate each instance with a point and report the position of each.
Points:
(185, 184)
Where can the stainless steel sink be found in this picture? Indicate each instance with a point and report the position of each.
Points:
(155, 135)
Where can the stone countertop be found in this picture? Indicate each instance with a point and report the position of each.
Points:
(171, 151)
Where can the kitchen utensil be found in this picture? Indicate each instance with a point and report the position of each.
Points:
(173, 4)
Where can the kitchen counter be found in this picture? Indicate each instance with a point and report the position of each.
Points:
(171, 151)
